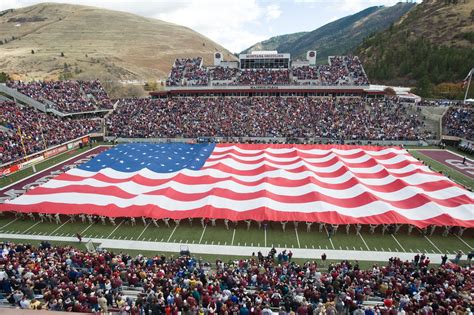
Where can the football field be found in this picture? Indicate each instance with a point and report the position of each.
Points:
(272, 235)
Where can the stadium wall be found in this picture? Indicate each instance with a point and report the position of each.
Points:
(270, 139)
(15, 166)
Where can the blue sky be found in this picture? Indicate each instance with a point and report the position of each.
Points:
(235, 24)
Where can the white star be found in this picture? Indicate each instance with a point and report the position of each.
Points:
(183, 158)
(121, 162)
(169, 158)
(135, 159)
(176, 163)
(170, 170)
(103, 165)
(128, 168)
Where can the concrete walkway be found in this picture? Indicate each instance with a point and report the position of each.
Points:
(197, 249)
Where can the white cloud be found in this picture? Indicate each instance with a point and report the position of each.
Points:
(273, 12)
(234, 24)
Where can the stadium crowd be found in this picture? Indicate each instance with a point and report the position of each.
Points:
(67, 279)
(459, 122)
(342, 70)
(337, 119)
(189, 68)
(38, 130)
(66, 96)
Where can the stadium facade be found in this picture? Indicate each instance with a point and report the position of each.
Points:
(294, 77)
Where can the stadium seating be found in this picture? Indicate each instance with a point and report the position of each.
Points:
(39, 130)
(342, 70)
(459, 122)
(66, 96)
(68, 279)
(336, 119)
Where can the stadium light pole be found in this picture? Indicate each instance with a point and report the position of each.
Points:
(468, 84)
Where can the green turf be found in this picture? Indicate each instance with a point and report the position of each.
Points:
(280, 239)
(244, 237)
(217, 235)
(313, 239)
(456, 176)
(185, 233)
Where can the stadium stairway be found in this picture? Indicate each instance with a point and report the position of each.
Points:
(22, 98)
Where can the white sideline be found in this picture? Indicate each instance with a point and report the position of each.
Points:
(197, 249)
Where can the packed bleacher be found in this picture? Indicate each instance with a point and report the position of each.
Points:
(349, 119)
(341, 70)
(66, 96)
(459, 122)
(68, 279)
(38, 130)
(189, 69)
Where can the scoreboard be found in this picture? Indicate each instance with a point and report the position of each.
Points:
(264, 60)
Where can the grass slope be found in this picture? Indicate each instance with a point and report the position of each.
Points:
(94, 42)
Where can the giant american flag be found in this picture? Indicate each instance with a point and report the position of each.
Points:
(337, 184)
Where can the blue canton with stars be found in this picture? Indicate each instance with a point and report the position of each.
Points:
(160, 158)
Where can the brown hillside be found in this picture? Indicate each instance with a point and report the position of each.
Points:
(95, 42)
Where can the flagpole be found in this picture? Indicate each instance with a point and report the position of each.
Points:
(468, 85)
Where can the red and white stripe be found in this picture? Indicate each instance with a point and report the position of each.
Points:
(325, 183)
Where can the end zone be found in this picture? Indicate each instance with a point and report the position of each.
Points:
(451, 160)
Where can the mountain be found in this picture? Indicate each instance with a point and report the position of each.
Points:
(273, 43)
(431, 47)
(60, 40)
(340, 36)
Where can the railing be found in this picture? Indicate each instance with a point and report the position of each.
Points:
(22, 98)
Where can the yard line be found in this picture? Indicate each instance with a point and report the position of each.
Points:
(233, 236)
(297, 238)
(31, 227)
(398, 242)
(59, 227)
(202, 235)
(463, 241)
(1, 228)
(115, 229)
(143, 231)
(87, 228)
(330, 240)
(172, 232)
(367, 246)
(433, 244)
(266, 237)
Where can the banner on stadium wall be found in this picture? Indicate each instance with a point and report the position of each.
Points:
(11, 169)
(39, 156)
(55, 151)
(32, 161)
